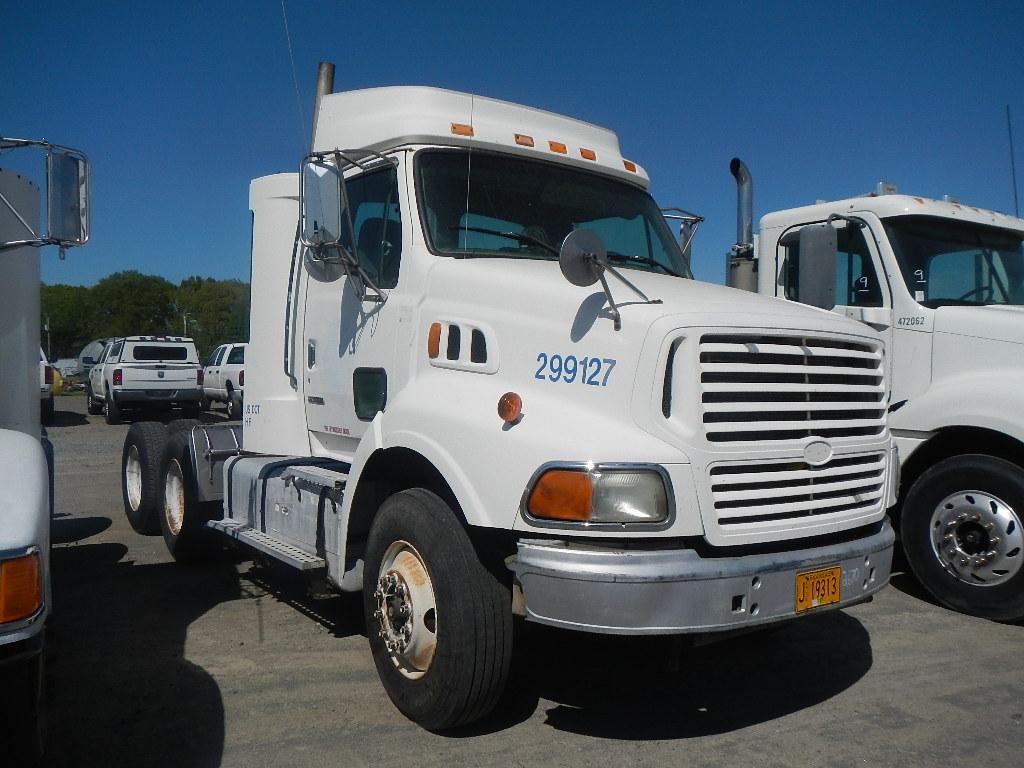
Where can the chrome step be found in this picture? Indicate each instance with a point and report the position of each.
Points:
(267, 544)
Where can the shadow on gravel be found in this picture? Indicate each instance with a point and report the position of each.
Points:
(65, 529)
(642, 688)
(124, 693)
(63, 418)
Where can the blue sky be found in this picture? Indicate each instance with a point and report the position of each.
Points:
(179, 105)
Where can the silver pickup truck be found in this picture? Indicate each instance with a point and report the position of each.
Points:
(145, 372)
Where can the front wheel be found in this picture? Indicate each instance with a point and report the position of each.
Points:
(963, 535)
(438, 621)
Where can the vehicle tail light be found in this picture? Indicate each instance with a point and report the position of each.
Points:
(200, 376)
(118, 377)
(48, 375)
(21, 588)
(241, 378)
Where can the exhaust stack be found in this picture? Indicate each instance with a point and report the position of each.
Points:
(324, 87)
(740, 270)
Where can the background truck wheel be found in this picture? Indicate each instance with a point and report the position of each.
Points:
(182, 517)
(111, 412)
(439, 623)
(94, 408)
(204, 403)
(47, 411)
(962, 534)
(234, 404)
(141, 462)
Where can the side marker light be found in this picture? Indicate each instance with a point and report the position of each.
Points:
(510, 407)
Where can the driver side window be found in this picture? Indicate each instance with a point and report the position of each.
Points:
(857, 282)
(377, 224)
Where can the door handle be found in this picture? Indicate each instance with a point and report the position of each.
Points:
(311, 354)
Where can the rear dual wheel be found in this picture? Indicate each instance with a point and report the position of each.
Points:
(183, 517)
(439, 622)
(141, 461)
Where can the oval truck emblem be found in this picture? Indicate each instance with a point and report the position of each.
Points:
(817, 453)
(159, 374)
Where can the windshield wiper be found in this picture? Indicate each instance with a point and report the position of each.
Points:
(624, 259)
(519, 237)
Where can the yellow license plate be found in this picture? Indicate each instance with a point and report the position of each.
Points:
(815, 589)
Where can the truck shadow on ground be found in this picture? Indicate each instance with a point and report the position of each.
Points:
(63, 418)
(639, 688)
(125, 694)
(905, 581)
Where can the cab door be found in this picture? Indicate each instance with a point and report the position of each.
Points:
(350, 334)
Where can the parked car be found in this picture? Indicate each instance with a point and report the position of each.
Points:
(145, 372)
(45, 389)
(224, 378)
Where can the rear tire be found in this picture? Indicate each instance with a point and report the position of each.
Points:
(234, 404)
(439, 623)
(962, 534)
(111, 411)
(183, 518)
(141, 461)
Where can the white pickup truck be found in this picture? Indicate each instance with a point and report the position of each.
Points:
(145, 372)
(224, 378)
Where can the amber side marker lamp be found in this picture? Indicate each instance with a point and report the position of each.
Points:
(461, 129)
(629, 166)
(557, 146)
(510, 407)
(562, 494)
(434, 341)
(21, 589)
(523, 140)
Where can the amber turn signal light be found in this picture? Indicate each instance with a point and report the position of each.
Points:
(562, 494)
(510, 407)
(21, 589)
(434, 341)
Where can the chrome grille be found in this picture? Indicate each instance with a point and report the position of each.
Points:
(775, 491)
(776, 388)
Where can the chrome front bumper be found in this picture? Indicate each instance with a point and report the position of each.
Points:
(624, 591)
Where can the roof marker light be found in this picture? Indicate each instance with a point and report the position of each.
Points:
(461, 129)
(523, 140)
(629, 166)
(588, 154)
(557, 146)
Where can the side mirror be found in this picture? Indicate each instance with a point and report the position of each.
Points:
(687, 229)
(67, 198)
(88, 361)
(817, 267)
(323, 202)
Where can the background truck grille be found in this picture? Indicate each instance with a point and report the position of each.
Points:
(745, 494)
(775, 388)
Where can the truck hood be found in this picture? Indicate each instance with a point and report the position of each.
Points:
(538, 287)
(995, 322)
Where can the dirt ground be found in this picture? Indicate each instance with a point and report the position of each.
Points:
(157, 664)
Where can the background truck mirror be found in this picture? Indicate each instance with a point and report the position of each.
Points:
(817, 268)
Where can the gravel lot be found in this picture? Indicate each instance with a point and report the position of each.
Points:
(233, 664)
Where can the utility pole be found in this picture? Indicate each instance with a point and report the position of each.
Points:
(184, 317)
(46, 326)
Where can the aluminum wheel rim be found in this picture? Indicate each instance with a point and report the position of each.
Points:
(174, 498)
(133, 478)
(406, 610)
(977, 537)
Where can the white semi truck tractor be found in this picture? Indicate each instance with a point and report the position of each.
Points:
(26, 470)
(481, 384)
(941, 283)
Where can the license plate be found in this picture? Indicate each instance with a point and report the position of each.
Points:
(815, 589)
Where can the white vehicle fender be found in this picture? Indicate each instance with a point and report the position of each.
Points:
(989, 400)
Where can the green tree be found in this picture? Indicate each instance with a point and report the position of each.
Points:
(68, 308)
(218, 311)
(130, 303)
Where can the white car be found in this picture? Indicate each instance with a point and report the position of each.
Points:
(45, 389)
(145, 372)
(224, 378)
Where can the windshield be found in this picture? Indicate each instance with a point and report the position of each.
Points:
(956, 262)
(477, 204)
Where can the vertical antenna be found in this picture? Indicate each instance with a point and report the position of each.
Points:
(1013, 164)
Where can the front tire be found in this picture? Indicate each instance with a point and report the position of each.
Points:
(141, 462)
(439, 623)
(963, 535)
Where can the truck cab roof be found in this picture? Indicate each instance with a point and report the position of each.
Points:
(885, 206)
(382, 119)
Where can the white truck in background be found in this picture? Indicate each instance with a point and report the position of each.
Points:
(483, 384)
(26, 470)
(145, 373)
(942, 284)
(224, 378)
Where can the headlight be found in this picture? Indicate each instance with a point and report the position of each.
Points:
(599, 495)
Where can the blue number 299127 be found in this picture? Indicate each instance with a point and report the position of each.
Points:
(594, 371)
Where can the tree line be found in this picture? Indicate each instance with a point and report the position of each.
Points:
(131, 303)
